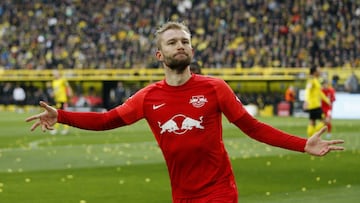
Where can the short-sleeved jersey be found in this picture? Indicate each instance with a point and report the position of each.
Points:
(187, 124)
(60, 90)
(313, 94)
(330, 94)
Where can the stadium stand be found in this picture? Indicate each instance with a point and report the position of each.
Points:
(270, 40)
(119, 34)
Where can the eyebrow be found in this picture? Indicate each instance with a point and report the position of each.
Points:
(178, 38)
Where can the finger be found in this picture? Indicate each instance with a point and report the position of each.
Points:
(34, 126)
(321, 131)
(45, 106)
(336, 142)
(48, 127)
(324, 152)
(31, 118)
(42, 104)
(337, 148)
(43, 127)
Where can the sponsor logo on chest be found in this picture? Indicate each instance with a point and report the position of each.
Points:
(198, 101)
(180, 123)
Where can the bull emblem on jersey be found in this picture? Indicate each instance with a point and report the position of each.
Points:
(198, 101)
(189, 123)
(185, 122)
(169, 126)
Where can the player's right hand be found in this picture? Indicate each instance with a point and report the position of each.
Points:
(46, 119)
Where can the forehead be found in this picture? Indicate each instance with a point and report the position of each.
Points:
(175, 34)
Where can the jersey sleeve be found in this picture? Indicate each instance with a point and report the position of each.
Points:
(132, 109)
(127, 113)
(229, 103)
(267, 134)
(235, 112)
(91, 120)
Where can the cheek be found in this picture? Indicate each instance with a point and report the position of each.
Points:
(165, 53)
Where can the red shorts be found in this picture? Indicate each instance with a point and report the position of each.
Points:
(224, 195)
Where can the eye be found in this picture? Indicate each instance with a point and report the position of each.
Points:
(186, 42)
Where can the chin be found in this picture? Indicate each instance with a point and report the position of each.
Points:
(179, 69)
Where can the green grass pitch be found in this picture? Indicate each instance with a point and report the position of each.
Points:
(125, 165)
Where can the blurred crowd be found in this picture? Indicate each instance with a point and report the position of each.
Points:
(21, 95)
(78, 34)
(44, 34)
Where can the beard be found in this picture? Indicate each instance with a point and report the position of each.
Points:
(179, 65)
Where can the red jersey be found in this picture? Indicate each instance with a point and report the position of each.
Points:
(186, 121)
(329, 93)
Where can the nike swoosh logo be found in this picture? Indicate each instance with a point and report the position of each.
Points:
(158, 106)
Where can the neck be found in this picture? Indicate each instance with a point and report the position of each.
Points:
(174, 78)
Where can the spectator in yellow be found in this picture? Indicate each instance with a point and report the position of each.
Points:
(61, 93)
(312, 103)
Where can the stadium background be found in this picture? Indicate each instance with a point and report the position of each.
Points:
(259, 47)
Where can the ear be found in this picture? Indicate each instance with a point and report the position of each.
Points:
(159, 55)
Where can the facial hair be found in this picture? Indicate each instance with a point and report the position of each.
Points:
(179, 65)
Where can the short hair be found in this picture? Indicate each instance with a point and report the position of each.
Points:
(313, 69)
(168, 26)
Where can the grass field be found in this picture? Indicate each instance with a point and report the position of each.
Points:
(125, 165)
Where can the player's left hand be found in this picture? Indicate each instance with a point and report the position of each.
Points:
(318, 147)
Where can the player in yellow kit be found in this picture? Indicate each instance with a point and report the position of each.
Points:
(312, 103)
(61, 93)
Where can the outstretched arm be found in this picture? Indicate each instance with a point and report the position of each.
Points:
(84, 120)
(275, 137)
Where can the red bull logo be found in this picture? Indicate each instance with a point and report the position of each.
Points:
(198, 101)
(179, 124)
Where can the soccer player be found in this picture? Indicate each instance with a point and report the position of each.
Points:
(61, 91)
(184, 112)
(312, 103)
(329, 92)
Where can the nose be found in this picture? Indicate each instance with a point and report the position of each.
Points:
(180, 45)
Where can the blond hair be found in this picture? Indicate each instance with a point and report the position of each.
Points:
(169, 26)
